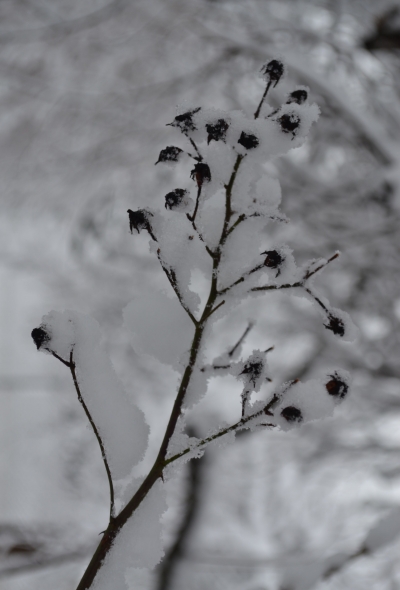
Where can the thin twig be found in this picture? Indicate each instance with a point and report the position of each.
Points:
(239, 342)
(174, 284)
(193, 217)
(199, 156)
(66, 363)
(72, 367)
(313, 272)
(256, 114)
(213, 310)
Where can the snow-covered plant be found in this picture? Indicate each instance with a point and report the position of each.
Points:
(215, 224)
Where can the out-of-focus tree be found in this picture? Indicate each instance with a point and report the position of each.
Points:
(86, 87)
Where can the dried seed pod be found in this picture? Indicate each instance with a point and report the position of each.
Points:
(185, 121)
(217, 131)
(273, 259)
(169, 154)
(201, 173)
(289, 123)
(337, 387)
(298, 96)
(272, 72)
(139, 220)
(336, 325)
(40, 336)
(254, 369)
(175, 198)
(292, 414)
(248, 141)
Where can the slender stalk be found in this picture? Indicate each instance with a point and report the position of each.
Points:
(72, 368)
(199, 156)
(264, 96)
(239, 342)
(174, 284)
(193, 217)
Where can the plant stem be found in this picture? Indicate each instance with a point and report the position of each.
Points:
(72, 368)
(256, 114)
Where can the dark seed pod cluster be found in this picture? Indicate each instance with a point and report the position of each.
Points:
(185, 121)
(337, 387)
(273, 71)
(217, 131)
(336, 325)
(292, 414)
(273, 259)
(139, 220)
(40, 337)
(169, 154)
(254, 369)
(201, 173)
(174, 198)
(248, 141)
(298, 96)
(289, 122)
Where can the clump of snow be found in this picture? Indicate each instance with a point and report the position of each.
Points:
(138, 544)
(159, 327)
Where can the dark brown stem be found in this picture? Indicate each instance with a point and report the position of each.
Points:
(199, 156)
(239, 342)
(174, 284)
(215, 309)
(256, 114)
(72, 368)
(313, 272)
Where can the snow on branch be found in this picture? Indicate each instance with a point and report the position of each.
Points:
(215, 223)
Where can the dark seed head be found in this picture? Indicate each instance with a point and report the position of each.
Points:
(273, 259)
(201, 173)
(337, 387)
(336, 325)
(169, 154)
(273, 71)
(185, 121)
(248, 141)
(289, 122)
(217, 131)
(254, 369)
(139, 220)
(298, 96)
(40, 337)
(292, 414)
(174, 198)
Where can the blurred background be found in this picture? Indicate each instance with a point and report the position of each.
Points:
(86, 88)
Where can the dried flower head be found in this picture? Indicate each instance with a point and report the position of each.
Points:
(217, 131)
(248, 141)
(298, 96)
(272, 72)
(40, 336)
(335, 324)
(289, 123)
(337, 387)
(185, 121)
(292, 414)
(175, 198)
(139, 220)
(254, 370)
(201, 173)
(273, 259)
(169, 154)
